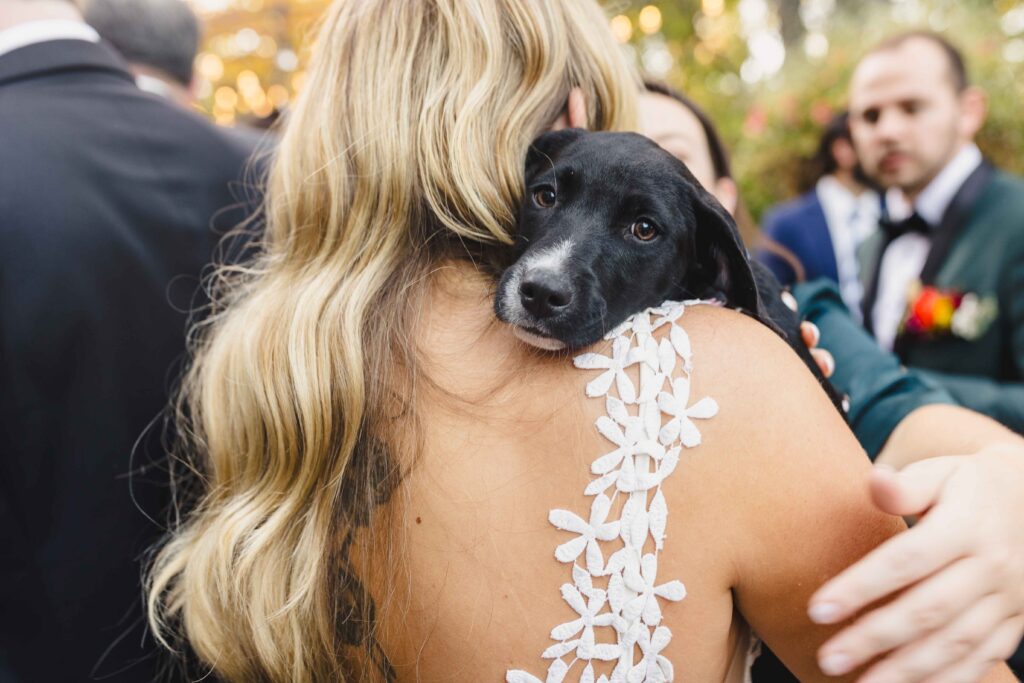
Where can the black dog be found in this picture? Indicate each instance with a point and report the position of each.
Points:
(612, 224)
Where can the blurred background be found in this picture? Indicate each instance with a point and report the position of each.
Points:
(770, 72)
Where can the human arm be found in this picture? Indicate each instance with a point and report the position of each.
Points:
(881, 392)
(1002, 401)
(913, 419)
(792, 465)
(964, 562)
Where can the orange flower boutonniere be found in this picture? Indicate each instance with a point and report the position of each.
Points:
(934, 312)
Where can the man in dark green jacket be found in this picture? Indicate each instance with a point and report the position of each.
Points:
(945, 285)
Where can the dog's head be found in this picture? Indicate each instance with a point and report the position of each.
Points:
(611, 224)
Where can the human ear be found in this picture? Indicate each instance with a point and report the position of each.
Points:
(576, 109)
(973, 111)
(575, 113)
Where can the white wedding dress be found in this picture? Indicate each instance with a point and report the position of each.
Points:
(649, 427)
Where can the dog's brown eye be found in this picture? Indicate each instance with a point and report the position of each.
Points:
(545, 197)
(644, 230)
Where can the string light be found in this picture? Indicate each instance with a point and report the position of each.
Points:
(210, 66)
(622, 28)
(713, 8)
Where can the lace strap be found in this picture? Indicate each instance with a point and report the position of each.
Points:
(647, 425)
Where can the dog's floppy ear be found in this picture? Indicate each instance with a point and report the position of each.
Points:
(545, 148)
(721, 254)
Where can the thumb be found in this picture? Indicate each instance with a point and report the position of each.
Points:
(912, 490)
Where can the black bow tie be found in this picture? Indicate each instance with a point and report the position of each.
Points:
(913, 223)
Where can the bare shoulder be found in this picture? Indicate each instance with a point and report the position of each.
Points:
(790, 474)
(767, 396)
(766, 500)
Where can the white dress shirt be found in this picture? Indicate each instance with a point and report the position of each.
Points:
(153, 85)
(905, 258)
(31, 32)
(851, 219)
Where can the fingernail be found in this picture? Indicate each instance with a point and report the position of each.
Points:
(824, 612)
(835, 664)
(817, 333)
(831, 364)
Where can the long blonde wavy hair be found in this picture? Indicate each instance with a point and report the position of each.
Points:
(404, 150)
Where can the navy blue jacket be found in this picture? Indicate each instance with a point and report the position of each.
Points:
(799, 226)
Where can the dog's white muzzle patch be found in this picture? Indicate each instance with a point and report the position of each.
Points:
(551, 259)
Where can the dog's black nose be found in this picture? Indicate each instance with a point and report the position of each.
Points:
(543, 294)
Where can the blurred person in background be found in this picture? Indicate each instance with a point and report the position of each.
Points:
(160, 40)
(903, 421)
(947, 270)
(825, 227)
(107, 195)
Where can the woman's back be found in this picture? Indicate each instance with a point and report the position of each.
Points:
(316, 372)
(509, 435)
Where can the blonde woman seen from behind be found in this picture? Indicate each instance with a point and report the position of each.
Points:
(378, 457)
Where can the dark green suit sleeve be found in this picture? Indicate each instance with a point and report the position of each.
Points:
(880, 390)
(1002, 401)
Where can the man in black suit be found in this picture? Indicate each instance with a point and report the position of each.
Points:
(106, 200)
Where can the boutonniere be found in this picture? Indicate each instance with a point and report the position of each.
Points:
(934, 312)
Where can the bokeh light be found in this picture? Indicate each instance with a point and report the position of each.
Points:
(622, 28)
(650, 19)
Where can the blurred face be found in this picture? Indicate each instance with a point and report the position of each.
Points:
(906, 118)
(678, 131)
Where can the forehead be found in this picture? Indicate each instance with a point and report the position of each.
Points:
(916, 69)
(666, 120)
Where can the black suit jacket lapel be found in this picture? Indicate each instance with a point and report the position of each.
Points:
(56, 56)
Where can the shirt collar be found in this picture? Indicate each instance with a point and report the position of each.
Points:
(32, 32)
(153, 85)
(933, 201)
(833, 193)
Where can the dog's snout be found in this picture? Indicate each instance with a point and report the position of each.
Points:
(543, 294)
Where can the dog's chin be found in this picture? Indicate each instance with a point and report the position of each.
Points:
(558, 340)
(537, 340)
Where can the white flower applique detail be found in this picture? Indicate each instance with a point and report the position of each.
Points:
(647, 445)
(615, 370)
(590, 615)
(653, 668)
(639, 578)
(589, 533)
(676, 404)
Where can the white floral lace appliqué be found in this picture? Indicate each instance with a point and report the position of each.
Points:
(648, 426)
